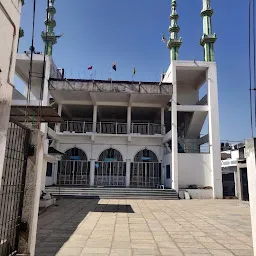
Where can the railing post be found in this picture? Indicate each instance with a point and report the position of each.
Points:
(148, 129)
(132, 127)
(67, 127)
(83, 126)
(100, 127)
(116, 128)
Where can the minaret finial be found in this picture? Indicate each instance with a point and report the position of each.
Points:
(49, 37)
(174, 42)
(208, 39)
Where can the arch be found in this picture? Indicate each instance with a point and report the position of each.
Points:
(75, 152)
(146, 155)
(110, 153)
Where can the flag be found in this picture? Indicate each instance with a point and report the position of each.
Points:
(114, 66)
(164, 39)
(134, 71)
(90, 68)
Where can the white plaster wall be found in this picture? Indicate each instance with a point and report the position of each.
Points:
(167, 160)
(101, 143)
(194, 169)
(187, 96)
(235, 154)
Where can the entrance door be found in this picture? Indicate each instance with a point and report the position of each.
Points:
(145, 170)
(73, 172)
(110, 170)
(74, 169)
(244, 179)
(112, 174)
(228, 181)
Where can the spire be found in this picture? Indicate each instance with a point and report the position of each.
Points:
(208, 39)
(174, 42)
(49, 37)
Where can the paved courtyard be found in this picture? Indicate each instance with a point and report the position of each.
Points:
(143, 227)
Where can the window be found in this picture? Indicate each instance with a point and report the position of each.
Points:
(168, 171)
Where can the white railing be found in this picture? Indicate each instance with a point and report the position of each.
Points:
(76, 127)
(147, 128)
(110, 128)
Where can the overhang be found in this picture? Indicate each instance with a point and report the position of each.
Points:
(107, 92)
(30, 114)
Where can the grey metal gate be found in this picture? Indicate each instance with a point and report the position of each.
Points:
(12, 188)
(145, 174)
(111, 174)
(74, 172)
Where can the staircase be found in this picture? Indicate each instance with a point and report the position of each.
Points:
(113, 193)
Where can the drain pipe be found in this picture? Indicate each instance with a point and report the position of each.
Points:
(13, 40)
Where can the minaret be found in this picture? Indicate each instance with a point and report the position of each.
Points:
(208, 38)
(49, 37)
(174, 42)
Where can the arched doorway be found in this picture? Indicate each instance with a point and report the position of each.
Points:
(74, 168)
(145, 170)
(110, 170)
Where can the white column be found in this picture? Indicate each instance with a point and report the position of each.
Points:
(92, 172)
(45, 100)
(129, 118)
(162, 121)
(175, 170)
(250, 146)
(128, 173)
(59, 113)
(214, 131)
(95, 112)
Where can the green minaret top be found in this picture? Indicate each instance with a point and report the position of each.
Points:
(174, 42)
(49, 37)
(208, 39)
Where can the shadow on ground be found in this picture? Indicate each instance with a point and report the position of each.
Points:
(58, 223)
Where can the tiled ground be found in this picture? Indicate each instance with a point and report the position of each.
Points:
(140, 227)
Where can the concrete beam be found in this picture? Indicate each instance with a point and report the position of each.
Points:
(203, 139)
(192, 108)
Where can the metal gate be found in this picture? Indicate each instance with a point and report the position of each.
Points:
(74, 172)
(12, 188)
(111, 174)
(145, 174)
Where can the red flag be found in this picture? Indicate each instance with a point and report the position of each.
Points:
(90, 68)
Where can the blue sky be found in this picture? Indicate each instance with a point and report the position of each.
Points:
(99, 32)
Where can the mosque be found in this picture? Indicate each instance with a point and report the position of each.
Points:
(131, 134)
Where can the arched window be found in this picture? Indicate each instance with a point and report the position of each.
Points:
(74, 154)
(146, 156)
(110, 155)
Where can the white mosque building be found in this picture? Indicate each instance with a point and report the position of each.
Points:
(131, 134)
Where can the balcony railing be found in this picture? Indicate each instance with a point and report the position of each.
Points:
(112, 128)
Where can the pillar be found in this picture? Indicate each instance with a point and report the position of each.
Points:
(128, 173)
(250, 147)
(129, 119)
(214, 132)
(95, 112)
(162, 121)
(59, 113)
(175, 170)
(92, 172)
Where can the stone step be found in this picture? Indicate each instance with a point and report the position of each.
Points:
(114, 193)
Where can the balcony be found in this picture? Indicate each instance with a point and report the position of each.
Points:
(79, 127)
